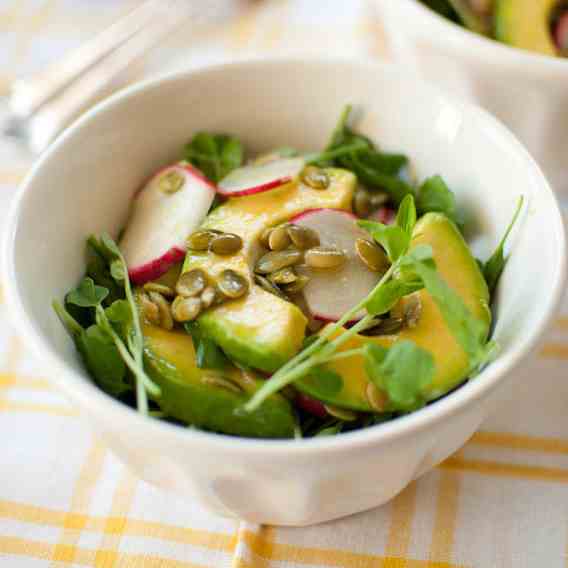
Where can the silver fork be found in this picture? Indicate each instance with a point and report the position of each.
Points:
(42, 105)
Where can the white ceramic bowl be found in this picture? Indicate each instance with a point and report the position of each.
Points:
(527, 91)
(84, 183)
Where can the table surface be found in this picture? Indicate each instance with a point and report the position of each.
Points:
(65, 501)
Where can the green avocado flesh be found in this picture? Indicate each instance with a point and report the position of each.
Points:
(210, 399)
(525, 24)
(261, 330)
(457, 266)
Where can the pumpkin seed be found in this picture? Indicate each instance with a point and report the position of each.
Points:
(372, 256)
(208, 296)
(388, 326)
(303, 237)
(160, 288)
(166, 320)
(378, 199)
(362, 203)
(171, 182)
(150, 310)
(226, 244)
(275, 260)
(376, 398)
(221, 383)
(412, 310)
(278, 238)
(200, 240)
(341, 413)
(268, 286)
(264, 236)
(315, 177)
(325, 257)
(186, 309)
(191, 283)
(283, 276)
(232, 284)
(298, 285)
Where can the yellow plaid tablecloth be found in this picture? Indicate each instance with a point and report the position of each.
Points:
(65, 501)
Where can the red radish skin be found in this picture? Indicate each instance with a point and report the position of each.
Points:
(252, 179)
(154, 239)
(561, 33)
(156, 268)
(385, 215)
(311, 405)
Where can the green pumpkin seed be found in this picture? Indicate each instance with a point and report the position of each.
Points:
(303, 237)
(200, 240)
(362, 203)
(150, 310)
(166, 320)
(298, 285)
(412, 310)
(388, 326)
(160, 288)
(171, 182)
(268, 286)
(208, 296)
(276, 260)
(283, 276)
(226, 244)
(191, 283)
(232, 284)
(376, 398)
(264, 236)
(315, 177)
(186, 309)
(372, 256)
(325, 257)
(341, 413)
(278, 238)
(221, 383)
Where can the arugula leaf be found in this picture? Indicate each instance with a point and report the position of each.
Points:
(208, 354)
(87, 294)
(385, 297)
(392, 238)
(467, 329)
(214, 154)
(406, 216)
(435, 196)
(494, 267)
(404, 372)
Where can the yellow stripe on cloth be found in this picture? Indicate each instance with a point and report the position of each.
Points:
(519, 442)
(89, 475)
(403, 510)
(443, 534)
(554, 351)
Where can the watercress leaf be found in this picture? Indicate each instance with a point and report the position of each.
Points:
(73, 327)
(321, 381)
(385, 297)
(332, 430)
(341, 130)
(406, 216)
(467, 329)
(103, 361)
(393, 239)
(119, 312)
(118, 270)
(374, 356)
(494, 267)
(407, 371)
(87, 294)
(232, 155)
(389, 164)
(208, 355)
(110, 246)
(435, 196)
(98, 269)
(421, 253)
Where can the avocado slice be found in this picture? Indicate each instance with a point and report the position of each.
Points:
(461, 271)
(199, 397)
(261, 330)
(525, 24)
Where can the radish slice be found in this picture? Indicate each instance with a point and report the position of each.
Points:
(171, 205)
(384, 215)
(255, 178)
(330, 293)
(561, 32)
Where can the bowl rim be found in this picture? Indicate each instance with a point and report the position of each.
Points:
(487, 49)
(88, 395)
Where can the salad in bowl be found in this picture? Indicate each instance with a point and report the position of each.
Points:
(288, 295)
